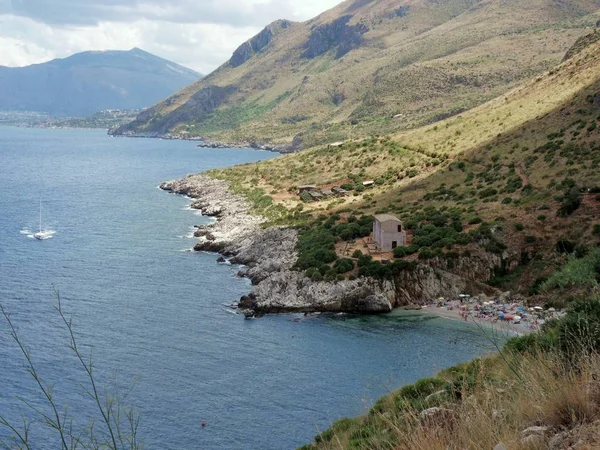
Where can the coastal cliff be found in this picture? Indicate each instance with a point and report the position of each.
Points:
(267, 256)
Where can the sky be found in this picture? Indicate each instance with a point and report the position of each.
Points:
(199, 34)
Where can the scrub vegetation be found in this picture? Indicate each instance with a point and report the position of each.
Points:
(540, 391)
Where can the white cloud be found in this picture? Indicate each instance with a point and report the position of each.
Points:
(200, 34)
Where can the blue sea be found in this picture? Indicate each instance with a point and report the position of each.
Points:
(153, 315)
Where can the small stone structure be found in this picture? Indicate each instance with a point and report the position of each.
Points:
(339, 191)
(388, 232)
(307, 187)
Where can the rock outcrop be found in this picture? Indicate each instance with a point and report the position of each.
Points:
(249, 48)
(291, 291)
(581, 44)
(199, 107)
(337, 34)
(214, 199)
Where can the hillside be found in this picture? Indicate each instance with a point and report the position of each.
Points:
(347, 72)
(87, 82)
(516, 177)
(527, 161)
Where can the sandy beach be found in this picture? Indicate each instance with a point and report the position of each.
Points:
(506, 328)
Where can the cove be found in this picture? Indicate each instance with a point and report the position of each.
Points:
(153, 312)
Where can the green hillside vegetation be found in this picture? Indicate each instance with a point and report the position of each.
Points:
(545, 380)
(525, 164)
(518, 173)
(348, 72)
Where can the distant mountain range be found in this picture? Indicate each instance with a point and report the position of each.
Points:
(87, 82)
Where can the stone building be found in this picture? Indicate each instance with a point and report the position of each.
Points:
(388, 232)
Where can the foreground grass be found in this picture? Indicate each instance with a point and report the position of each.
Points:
(547, 381)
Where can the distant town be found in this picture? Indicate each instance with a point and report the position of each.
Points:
(101, 120)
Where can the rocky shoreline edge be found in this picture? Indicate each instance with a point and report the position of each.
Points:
(207, 143)
(267, 256)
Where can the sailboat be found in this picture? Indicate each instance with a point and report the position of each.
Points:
(42, 234)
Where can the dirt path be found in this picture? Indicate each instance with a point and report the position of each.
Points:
(521, 172)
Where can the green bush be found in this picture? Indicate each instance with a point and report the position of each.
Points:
(343, 266)
(428, 253)
(489, 192)
(570, 203)
(519, 227)
(315, 248)
(401, 252)
(596, 229)
(577, 272)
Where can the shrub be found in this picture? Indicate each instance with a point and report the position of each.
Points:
(305, 197)
(577, 272)
(401, 252)
(475, 221)
(489, 192)
(428, 253)
(357, 254)
(570, 203)
(565, 246)
(519, 227)
(596, 229)
(579, 331)
(315, 248)
(530, 239)
(541, 217)
(343, 265)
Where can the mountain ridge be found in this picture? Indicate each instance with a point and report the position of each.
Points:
(350, 70)
(84, 83)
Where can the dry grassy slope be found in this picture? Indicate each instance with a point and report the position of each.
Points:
(419, 58)
(541, 134)
(523, 116)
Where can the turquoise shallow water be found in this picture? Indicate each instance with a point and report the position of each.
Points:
(150, 311)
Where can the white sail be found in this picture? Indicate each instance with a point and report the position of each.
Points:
(42, 234)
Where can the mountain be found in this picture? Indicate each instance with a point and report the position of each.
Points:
(87, 82)
(371, 67)
(526, 162)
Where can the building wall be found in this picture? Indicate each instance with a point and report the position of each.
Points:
(386, 233)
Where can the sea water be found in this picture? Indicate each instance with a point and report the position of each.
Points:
(153, 315)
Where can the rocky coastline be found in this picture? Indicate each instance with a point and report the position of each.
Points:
(207, 143)
(267, 257)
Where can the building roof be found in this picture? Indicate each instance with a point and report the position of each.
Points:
(386, 218)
